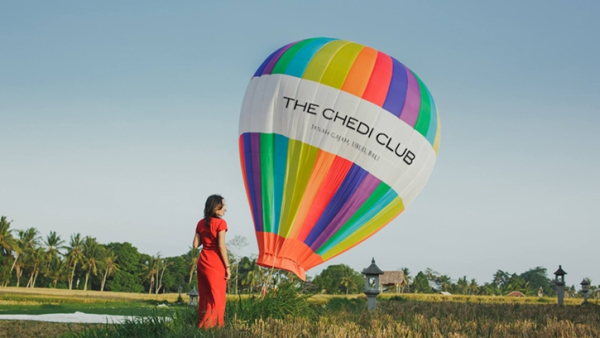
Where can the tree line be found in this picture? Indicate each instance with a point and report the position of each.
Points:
(341, 279)
(29, 259)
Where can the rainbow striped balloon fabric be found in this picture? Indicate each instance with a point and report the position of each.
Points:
(336, 139)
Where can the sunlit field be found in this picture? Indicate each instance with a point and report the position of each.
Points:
(44, 295)
(291, 314)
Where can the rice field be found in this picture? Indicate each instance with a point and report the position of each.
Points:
(290, 314)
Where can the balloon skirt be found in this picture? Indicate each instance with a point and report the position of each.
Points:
(212, 288)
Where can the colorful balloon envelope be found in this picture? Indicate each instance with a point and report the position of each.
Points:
(336, 139)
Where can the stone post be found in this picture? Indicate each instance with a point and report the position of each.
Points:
(193, 300)
(584, 289)
(372, 284)
(559, 280)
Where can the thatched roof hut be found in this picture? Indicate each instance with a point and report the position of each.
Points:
(393, 279)
(515, 294)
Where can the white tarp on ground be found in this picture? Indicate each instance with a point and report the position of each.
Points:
(77, 317)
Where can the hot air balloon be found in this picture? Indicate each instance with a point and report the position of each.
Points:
(335, 139)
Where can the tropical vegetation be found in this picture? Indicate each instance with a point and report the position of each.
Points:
(30, 259)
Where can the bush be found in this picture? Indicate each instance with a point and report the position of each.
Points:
(278, 303)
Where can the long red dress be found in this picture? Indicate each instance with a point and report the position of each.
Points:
(211, 270)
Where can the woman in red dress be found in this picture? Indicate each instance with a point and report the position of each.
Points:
(213, 264)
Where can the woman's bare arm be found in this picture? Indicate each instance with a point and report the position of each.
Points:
(223, 251)
(196, 242)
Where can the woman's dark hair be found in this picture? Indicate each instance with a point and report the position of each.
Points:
(212, 202)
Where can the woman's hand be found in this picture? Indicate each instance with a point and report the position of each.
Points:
(227, 273)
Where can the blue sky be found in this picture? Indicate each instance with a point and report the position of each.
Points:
(118, 119)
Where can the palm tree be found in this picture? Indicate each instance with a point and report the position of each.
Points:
(18, 250)
(74, 255)
(473, 287)
(163, 264)
(56, 270)
(238, 242)
(488, 289)
(462, 285)
(28, 241)
(444, 281)
(233, 281)
(347, 281)
(6, 239)
(53, 244)
(254, 276)
(150, 269)
(192, 257)
(501, 281)
(407, 278)
(37, 260)
(594, 290)
(110, 267)
(8, 245)
(92, 253)
(245, 265)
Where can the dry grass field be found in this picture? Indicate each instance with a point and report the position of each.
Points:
(461, 298)
(60, 295)
(13, 295)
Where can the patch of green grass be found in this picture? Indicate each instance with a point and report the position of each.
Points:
(178, 323)
(109, 308)
(26, 328)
